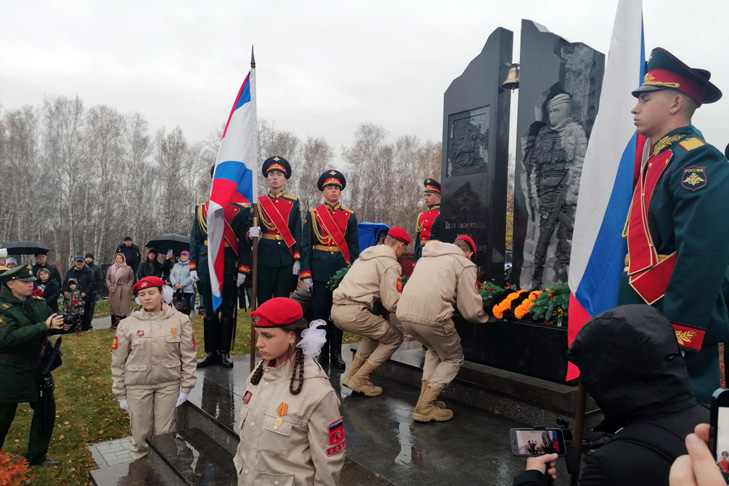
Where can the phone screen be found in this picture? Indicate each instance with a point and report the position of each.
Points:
(722, 439)
(535, 442)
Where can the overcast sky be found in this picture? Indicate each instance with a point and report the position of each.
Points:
(323, 66)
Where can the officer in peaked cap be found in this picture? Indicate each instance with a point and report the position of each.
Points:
(676, 230)
(428, 224)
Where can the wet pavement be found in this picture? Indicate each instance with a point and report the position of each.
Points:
(383, 440)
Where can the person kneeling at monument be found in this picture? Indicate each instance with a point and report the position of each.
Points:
(291, 429)
(631, 365)
(152, 364)
(443, 279)
(364, 304)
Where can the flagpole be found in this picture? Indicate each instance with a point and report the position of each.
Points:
(254, 270)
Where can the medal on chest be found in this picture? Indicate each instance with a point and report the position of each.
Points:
(282, 411)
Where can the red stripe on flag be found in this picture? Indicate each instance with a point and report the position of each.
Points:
(578, 317)
(235, 103)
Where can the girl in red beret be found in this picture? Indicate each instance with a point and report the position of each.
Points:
(291, 429)
(152, 363)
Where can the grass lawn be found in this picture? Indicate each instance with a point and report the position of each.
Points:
(86, 410)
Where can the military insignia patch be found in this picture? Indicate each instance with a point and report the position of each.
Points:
(694, 178)
(115, 343)
(140, 332)
(247, 397)
(336, 432)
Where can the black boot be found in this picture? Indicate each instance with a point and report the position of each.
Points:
(209, 359)
(225, 361)
(335, 348)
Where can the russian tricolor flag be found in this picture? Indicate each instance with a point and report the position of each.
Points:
(234, 176)
(606, 186)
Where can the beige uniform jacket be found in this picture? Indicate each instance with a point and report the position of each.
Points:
(290, 440)
(373, 276)
(443, 279)
(152, 350)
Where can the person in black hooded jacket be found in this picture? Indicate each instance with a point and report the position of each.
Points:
(631, 365)
(150, 267)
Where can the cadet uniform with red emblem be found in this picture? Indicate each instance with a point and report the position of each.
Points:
(291, 429)
(152, 364)
(429, 218)
(219, 325)
(677, 229)
(330, 243)
(364, 304)
(279, 215)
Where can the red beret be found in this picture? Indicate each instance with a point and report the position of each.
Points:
(400, 233)
(277, 312)
(147, 282)
(469, 241)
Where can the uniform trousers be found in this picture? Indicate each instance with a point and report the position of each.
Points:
(41, 428)
(444, 355)
(151, 412)
(380, 338)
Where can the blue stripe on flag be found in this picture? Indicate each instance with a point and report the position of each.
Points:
(239, 173)
(245, 95)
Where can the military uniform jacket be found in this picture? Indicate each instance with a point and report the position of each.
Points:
(320, 256)
(286, 439)
(678, 252)
(374, 276)
(153, 350)
(22, 336)
(237, 217)
(424, 227)
(272, 248)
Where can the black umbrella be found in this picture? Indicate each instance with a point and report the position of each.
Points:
(170, 241)
(24, 247)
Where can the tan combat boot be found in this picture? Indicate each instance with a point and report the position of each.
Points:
(426, 411)
(437, 403)
(357, 363)
(360, 382)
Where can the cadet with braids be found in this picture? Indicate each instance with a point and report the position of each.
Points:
(291, 429)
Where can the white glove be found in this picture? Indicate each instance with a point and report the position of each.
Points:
(193, 276)
(241, 279)
(254, 232)
(295, 269)
(124, 405)
(308, 283)
(181, 399)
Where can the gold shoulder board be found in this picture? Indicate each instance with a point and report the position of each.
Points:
(691, 143)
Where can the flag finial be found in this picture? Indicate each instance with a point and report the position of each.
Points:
(253, 59)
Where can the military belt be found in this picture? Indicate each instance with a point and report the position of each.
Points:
(330, 249)
(272, 236)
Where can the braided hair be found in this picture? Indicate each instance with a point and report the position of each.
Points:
(297, 373)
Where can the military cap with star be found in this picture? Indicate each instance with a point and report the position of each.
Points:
(23, 273)
(666, 71)
(276, 163)
(331, 177)
(431, 185)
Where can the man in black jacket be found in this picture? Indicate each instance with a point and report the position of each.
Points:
(85, 278)
(632, 366)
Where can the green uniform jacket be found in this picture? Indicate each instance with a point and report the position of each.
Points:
(275, 253)
(199, 243)
(22, 336)
(321, 265)
(688, 214)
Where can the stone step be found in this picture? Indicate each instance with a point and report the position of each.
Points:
(190, 457)
(138, 473)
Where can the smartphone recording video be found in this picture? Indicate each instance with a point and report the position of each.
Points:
(536, 442)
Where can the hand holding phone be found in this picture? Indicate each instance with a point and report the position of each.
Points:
(532, 442)
(719, 432)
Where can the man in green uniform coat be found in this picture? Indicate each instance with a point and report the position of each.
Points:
(25, 322)
(219, 326)
(677, 229)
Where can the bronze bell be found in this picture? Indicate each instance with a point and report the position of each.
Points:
(512, 77)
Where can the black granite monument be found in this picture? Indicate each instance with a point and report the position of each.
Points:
(559, 91)
(475, 153)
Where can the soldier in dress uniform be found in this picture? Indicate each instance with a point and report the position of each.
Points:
(330, 243)
(279, 214)
(429, 217)
(364, 304)
(291, 430)
(676, 229)
(25, 322)
(219, 325)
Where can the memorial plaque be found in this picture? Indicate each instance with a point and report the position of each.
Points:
(559, 91)
(475, 151)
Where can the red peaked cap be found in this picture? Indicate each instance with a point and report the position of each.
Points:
(469, 241)
(277, 312)
(400, 233)
(146, 283)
